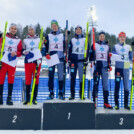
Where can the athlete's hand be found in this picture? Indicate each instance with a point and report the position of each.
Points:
(110, 69)
(26, 52)
(13, 54)
(48, 57)
(110, 54)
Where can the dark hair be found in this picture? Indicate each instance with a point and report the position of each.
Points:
(102, 32)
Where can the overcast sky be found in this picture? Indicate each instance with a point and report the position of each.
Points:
(113, 15)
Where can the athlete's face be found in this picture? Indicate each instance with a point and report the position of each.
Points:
(102, 37)
(78, 31)
(13, 30)
(54, 27)
(122, 39)
(31, 31)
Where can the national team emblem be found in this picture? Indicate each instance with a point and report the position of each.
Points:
(77, 43)
(55, 39)
(102, 49)
(122, 50)
(10, 42)
(32, 43)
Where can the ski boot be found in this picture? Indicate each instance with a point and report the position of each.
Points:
(34, 101)
(27, 102)
(107, 106)
(9, 101)
(126, 107)
(51, 96)
(126, 94)
(35, 94)
(72, 97)
(1, 94)
(61, 96)
(116, 106)
(1, 100)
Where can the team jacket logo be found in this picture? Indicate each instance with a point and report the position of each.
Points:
(122, 50)
(102, 49)
(77, 43)
(32, 43)
(55, 39)
(10, 42)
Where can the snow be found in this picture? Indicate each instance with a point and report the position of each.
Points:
(67, 132)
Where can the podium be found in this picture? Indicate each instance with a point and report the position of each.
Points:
(114, 119)
(20, 117)
(63, 115)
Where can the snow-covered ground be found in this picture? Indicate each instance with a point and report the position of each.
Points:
(68, 132)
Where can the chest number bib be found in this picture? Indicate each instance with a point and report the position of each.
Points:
(101, 56)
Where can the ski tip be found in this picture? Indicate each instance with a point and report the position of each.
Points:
(66, 24)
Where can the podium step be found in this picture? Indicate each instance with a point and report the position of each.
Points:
(63, 115)
(20, 117)
(114, 119)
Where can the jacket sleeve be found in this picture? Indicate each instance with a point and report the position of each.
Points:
(130, 54)
(114, 50)
(19, 49)
(46, 44)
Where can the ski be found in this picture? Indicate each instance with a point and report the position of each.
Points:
(37, 66)
(132, 83)
(65, 57)
(93, 39)
(109, 63)
(3, 43)
(93, 63)
(85, 56)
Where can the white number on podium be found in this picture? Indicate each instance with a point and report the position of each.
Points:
(14, 119)
(121, 121)
(69, 115)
